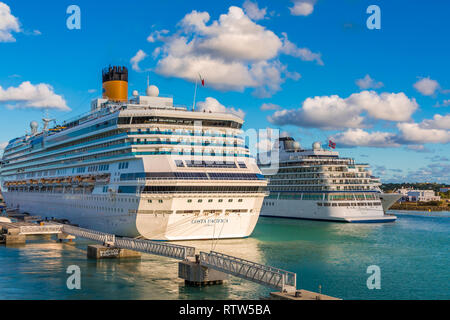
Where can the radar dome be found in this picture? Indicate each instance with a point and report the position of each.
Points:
(34, 126)
(152, 91)
(316, 146)
(135, 93)
(296, 145)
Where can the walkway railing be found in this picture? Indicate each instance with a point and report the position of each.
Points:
(88, 234)
(46, 229)
(248, 270)
(154, 247)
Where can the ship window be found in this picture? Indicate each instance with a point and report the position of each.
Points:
(210, 200)
(160, 201)
(149, 201)
(240, 200)
(179, 163)
(189, 200)
(220, 200)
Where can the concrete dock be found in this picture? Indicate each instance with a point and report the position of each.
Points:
(98, 251)
(300, 295)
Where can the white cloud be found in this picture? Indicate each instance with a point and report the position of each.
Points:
(414, 133)
(269, 106)
(27, 95)
(253, 11)
(157, 35)
(368, 83)
(92, 90)
(361, 138)
(140, 55)
(426, 86)
(8, 24)
(212, 105)
(302, 7)
(232, 53)
(304, 54)
(438, 122)
(385, 106)
(334, 112)
(2, 147)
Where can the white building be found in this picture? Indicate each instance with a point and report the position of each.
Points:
(418, 195)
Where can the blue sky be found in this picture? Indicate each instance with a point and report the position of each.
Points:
(302, 57)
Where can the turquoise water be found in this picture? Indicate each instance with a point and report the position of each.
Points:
(412, 254)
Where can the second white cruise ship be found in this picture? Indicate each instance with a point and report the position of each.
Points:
(138, 167)
(317, 184)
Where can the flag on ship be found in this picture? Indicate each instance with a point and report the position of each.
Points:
(202, 80)
(331, 144)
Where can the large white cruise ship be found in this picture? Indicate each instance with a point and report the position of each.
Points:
(317, 184)
(138, 167)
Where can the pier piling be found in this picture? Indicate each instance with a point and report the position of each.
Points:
(197, 275)
(98, 251)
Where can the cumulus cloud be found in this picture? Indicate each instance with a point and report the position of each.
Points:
(415, 133)
(368, 83)
(304, 54)
(426, 86)
(213, 105)
(157, 35)
(3, 146)
(27, 95)
(139, 56)
(438, 122)
(334, 112)
(8, 24)
(232, 53)
(302, 7)
(253, 11)
(361, 138)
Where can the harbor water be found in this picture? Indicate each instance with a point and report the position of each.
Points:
(412, 254)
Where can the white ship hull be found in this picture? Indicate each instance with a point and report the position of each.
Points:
(135, 217)
(308, 209)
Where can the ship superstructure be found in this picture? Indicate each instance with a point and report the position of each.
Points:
(318, 184)
(139, 167)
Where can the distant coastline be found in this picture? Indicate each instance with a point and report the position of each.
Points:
(418, 207)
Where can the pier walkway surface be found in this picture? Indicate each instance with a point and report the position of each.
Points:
(193, 267)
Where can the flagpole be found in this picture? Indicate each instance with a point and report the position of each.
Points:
(195, 93)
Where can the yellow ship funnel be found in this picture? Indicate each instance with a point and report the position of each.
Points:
(115, 83)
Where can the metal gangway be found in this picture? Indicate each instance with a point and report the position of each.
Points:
(146, 246)
(282, 280)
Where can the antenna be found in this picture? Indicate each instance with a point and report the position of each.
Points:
(195, 93)
(46, 120)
